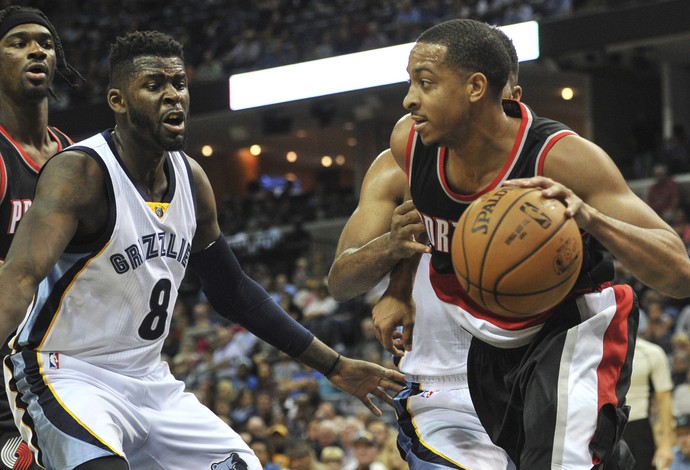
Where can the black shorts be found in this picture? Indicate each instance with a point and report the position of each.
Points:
(559, 402)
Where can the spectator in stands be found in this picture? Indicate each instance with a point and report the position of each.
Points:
(680, 366)
(332, 457)
(387, 437)
(264, 452)
(366, 451)
(244, 54)
(242, 408)
(664, 194)
(318, 316)
(267, 408)
(659, 324)
(681, 459)
(302, 457)
(278, 436)
(326, 435)
(210, 68)
(256, 427)
(232, 346)
(676, 151)
(202, 330)
(650, 367)
(349, 428)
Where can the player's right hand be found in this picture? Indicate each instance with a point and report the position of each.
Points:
(389, 313)
(406, 228)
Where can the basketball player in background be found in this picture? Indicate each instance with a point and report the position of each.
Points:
(116, 220)
(30, 54)
(437, 424)
(651, 389)
(548, 388)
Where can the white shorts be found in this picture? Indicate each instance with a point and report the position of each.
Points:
(72, 412)
(439, 428)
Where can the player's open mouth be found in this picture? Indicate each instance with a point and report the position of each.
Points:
(174, 122)
(37, 72)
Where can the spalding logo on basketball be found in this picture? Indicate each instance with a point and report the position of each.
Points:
(515, 252)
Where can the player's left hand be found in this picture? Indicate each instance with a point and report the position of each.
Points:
(389, 314)
(362, 378)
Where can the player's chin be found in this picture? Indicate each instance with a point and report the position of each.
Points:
(429, 138)
(173, 142)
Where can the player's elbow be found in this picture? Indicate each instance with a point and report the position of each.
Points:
(336, 287)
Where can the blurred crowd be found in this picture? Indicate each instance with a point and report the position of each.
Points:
(228, 36)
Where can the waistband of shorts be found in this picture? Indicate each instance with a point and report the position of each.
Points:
(442, 381)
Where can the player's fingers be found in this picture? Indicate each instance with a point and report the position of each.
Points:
(393, 380)
(407, 336)
(381, 395)
(389, 344)
(369, 404)
(405, 207)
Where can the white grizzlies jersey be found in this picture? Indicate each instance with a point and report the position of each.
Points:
(110, 303)
(439, 342)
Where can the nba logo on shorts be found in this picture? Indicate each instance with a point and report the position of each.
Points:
(426, 394)
(54, 359)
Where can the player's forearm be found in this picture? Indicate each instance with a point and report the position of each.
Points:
(665, 436)
(319, 357)
(656, 257)
(402, 278)
(357, 270)
(19, 291)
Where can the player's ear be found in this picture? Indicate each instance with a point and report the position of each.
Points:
(477, 85)
(116, 100)
(516, 92)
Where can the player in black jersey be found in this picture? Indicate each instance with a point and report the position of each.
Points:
(550, 388)
(30, 54)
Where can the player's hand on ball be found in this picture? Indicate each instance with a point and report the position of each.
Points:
(389, 313)
(575, 207)
(406, 228)
(361, 379)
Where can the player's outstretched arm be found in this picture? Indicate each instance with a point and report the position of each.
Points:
(583, 176)
(65, 205)
(237, 297)
(382, 230)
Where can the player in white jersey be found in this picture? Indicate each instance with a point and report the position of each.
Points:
(115, 222)
(438, 426)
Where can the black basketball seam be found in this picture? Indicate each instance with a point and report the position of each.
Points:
(490, 240)
(494, 292)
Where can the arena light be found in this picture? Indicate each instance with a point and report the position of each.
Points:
(348, 72)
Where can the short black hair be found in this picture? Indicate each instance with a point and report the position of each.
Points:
(472, 46)
(64, 69)
(512, 53)
(139, 43)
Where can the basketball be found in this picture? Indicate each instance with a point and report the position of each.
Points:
(515, 253)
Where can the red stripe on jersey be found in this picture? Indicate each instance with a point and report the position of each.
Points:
(548, 145)
(408, 152)
(25, 156)
(448, 289)
(616, 346)
(57, 139)
(3, 179)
